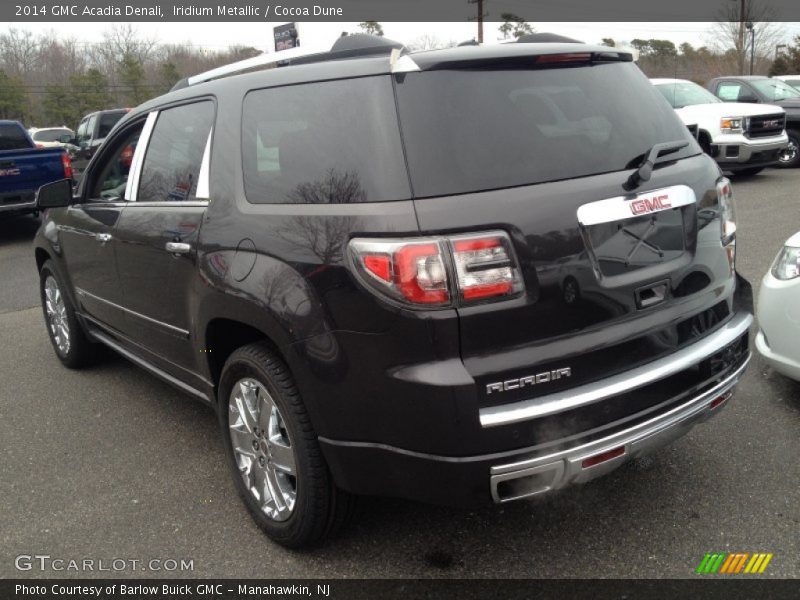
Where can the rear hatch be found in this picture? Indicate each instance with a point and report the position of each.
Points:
(614, 274)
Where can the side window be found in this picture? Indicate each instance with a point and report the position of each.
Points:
(90, 126)
(175, 152)
(323, 143)
(729, 92)
(111, 177)
(81, 134)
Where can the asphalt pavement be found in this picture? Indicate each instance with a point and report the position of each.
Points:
(110, 463)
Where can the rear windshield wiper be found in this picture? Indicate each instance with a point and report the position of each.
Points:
(651, 157)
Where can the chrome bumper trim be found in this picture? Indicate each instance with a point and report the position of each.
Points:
(562, 468)
(589, 393)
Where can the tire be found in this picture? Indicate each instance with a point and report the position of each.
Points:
(748, 172)
(790, 157)
(275, 459)
(69, 340)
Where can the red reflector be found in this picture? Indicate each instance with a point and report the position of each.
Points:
(560, 58)
(379, 265)
(485, 291)
(66, 163)
(476, 244)
(718, 401)
(603, 457)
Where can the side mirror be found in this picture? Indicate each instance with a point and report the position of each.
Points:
(65, 139)
(749, 98)
(55, 194)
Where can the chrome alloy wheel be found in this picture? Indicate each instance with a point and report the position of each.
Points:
(262, 448)
(56, 314)
(789, 153)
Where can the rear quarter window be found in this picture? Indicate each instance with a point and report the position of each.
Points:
(323, 143)
(12, 137)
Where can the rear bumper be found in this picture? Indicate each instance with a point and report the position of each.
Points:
(382, 469)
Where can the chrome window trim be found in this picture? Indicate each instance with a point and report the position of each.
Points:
(203, 183)
(132, 187)
(506, 414)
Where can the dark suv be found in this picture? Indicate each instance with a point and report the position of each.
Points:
(91, 132)
(460, 276)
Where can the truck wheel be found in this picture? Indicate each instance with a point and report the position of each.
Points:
(272, 450)
(69, 341)
(790, 156)
(749, 172)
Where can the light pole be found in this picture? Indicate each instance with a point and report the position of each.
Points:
(752, 31)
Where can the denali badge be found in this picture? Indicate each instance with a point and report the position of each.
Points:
(515, 384)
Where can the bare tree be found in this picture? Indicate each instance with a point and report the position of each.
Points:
(19, 51)
(731, 35)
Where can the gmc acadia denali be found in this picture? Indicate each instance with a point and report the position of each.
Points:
(458, 276)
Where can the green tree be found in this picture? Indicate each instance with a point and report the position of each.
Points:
(89, 91)
(132, 76)
(168, 76)
(58, 106)
(514, 26)
(609, 42)
(779, 66)
(12, 97)
(662, 48)
(371, 27)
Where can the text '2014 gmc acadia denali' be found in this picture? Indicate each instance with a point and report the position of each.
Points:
(458, 276)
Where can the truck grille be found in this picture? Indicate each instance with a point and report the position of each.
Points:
(765, 125)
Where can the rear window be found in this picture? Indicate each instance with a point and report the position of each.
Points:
(473, 130)
(50, 135)
(107, 122)
(12, 137)
(323, 143)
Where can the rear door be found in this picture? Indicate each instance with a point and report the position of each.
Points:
(158, 233)
(545, 155)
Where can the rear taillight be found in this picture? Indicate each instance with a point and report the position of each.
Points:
(66, 163)
(441, 271)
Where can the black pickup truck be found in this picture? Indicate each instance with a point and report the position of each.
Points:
(24, 168)
(532, 284)
(759, 89)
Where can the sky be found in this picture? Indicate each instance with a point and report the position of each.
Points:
(221, 35)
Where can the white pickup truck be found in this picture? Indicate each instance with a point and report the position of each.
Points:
(743, 138)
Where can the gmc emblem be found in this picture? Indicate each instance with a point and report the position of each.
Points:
(648, 205)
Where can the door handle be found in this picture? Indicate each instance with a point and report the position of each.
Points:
(103, 237)
(178, 247)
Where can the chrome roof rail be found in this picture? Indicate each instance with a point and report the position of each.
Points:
(262, 60)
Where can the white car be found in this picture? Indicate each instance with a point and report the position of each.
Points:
(743, 138)
(778, 311)
(792, 80)
(52, 137)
